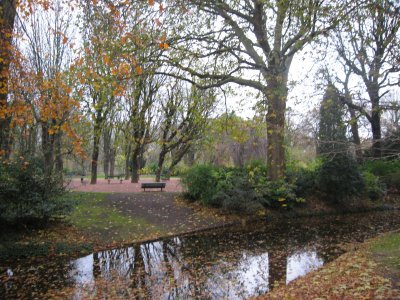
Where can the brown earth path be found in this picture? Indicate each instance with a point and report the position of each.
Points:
(164, 209)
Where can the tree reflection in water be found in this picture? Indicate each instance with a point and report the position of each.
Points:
(163, 270)
(234, 263)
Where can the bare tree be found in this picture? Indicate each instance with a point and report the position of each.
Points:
(368, 44)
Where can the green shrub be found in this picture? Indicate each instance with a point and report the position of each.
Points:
(151, 168)
(257, 173)
(278, 194)
(201, 183)
(179, 170)
(382, 167)
(387, 170)
(27, 195)
(244, 190)
(392, 181)
(338, 178)
(236, 194)
(303, 180)
(375, 188)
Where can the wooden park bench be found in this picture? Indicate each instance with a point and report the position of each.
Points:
(153, 185)
(120, 178)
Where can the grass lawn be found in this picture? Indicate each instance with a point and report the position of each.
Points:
(108, 225)
(386, 252)
(91, 226)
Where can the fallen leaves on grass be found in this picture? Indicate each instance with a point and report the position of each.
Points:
(351, 276)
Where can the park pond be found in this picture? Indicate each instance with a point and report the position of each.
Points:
(234, 262)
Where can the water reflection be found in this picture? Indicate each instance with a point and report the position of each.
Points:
(161, 270)
(299, 264)
(233, 263)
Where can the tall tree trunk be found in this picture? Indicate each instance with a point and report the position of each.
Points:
(135, 164)
(276, 95)
(7, 17)
(95, 153)
(161, 159)
(376, 130)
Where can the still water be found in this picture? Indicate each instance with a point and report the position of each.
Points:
(232, 263)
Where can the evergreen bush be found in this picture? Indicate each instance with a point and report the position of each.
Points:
(201, 183)
(339, 178)
(27, 195)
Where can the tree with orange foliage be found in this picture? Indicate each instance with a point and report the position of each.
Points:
(7, 18)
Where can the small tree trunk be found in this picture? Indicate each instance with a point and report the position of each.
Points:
(59, 164)
(106, 152)
(106, 164)
(48, 150)
(128, 149)
(32, 140)
(112, 161)
(189, 158)
(355, 134)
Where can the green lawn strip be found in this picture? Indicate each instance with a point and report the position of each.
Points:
(108, 224)
(385, 250)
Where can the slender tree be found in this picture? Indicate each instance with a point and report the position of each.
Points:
(185, 114)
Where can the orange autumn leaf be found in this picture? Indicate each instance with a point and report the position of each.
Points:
(164, 46)
(151, 2)
(139, 70)
(106, 59)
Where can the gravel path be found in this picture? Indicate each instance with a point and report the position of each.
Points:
(156, 207)
(162, 210)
